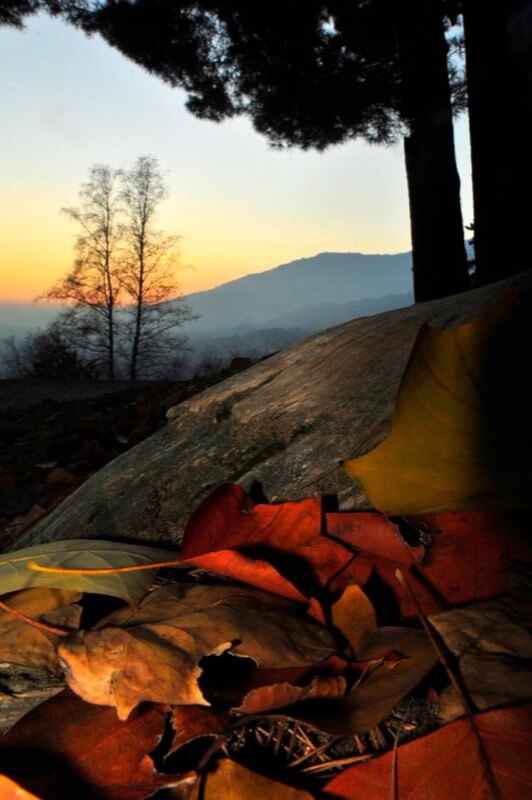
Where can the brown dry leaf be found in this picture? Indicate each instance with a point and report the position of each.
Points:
(20, 643)
(458, 441)
(231, 781)
(153, 652)
(268, 698)
(493, 645)
(381, 688)
(386, 680)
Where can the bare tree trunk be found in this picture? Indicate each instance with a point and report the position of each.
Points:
(138, 311)
(439, 257)
(111, 334)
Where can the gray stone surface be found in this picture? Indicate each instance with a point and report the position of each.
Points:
(286, 422)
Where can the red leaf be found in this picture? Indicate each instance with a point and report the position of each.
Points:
(465, 561)
(373, 534)
(254, 571)
(287, 535)
(446, 763)
(78, 750)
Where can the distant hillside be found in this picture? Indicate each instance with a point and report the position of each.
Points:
(325, 315)
(16, 319)
(260, 299)
(267, 311)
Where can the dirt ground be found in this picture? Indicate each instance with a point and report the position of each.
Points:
(21, 394)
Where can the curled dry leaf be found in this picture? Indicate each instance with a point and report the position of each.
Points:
(493, 645)
(16, 572)
(232, 781)
(154, 652)
(446, 763)
(268, 698)
(457, 442)
(20, 643)
(81, 751)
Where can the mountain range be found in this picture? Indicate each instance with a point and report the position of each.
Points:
(293, 294)
(267, 310)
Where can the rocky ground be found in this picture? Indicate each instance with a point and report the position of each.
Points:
(20, 394)
(56, 434)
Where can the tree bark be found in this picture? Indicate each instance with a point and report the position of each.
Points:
(439, 257)
(499, 75)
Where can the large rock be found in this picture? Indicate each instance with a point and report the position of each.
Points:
(286, 422)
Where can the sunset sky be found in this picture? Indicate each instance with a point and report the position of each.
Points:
(68, 102)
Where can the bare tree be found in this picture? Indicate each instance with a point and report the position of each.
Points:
(147, 273)
(92, 286)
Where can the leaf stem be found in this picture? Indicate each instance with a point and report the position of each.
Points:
(40, 626)
(34, 565)
(468, 708)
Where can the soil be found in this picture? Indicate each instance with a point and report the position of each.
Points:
(21, 394)
(56, 434)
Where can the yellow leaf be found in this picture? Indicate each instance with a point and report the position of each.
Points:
(461, 435)
(355, 618)
(231, 781)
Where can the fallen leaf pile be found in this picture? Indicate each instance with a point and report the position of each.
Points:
(286, 652)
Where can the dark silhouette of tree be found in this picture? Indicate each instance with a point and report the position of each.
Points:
(122, 296)
(498, 39)
(93, 284)
(13, 12)
(46, 354)
(147, 273)
(314, 74)
(438, 251)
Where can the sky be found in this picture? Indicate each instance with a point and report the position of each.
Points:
(68, 102)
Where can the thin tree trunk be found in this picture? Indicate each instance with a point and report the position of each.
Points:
(111, 334)
(138, 312)
(136, 342)
(439, 257)
(498, 56)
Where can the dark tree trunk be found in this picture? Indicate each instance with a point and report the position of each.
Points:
(136, 343)
(439, 257)
(111, 335)
(499, 75)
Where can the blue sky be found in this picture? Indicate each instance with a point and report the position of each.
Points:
(69, 102)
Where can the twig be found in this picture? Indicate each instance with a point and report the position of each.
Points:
(394, 794)
(348, 761)
(40, 626)
(469, 711)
